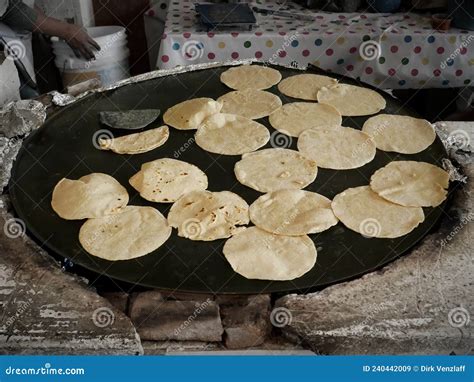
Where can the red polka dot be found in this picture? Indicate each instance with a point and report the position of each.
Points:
(258, 33)
(329, 52)
(186, 35)
(459, 72)
(305, 32)
(234, 55)
(417, 49)
(414, 72)
(363, 16)
(211, 56)
(342, 17)
(369, 70)
(329, 32)
(282, 53)
(394, 49)
(437, 72)
(391, 72)
(282, 33)
(258, 54)
(306, 53)
(463, 50)
(440, 50)
(151, 12)
(320, 17)
(350, 68)
(353, 50)
(165, 58)
(234, 34)
(163, 36)
(210, 34)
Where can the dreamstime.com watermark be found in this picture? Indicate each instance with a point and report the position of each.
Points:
(281, 317)
(183, 148)
(275, 58)
(104, 49)
(464, 221)
(192, 317)
(459, 317)
(44, 370)
(22, 309)
(466, 42)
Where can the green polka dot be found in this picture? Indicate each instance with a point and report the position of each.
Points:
(247, 44)
(366, 38)
(381, 60)
(405, 61)
(467, 82)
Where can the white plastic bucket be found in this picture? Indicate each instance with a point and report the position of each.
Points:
(110, 64)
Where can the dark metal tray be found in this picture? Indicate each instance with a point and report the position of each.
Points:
(63, 147)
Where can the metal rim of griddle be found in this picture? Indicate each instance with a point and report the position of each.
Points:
(181, 264)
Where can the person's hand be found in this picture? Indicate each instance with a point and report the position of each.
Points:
(80, 42)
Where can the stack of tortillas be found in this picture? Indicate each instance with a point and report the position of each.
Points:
(391, 206)
(113, 230)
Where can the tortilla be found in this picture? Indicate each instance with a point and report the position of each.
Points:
(352, 100)
(91, 196)
(400, 133)
(188, 115)
(137, 143)
(340, 149)
(257, 254)
(292, 212)
(230, 134)
(250, 103)
(250, 77)
(131, 119)
(165, 180)
(305, 86)
(293, 118)
(135, 232)
(207, 216)
(363, 211)
(410, 183)
(275, 169)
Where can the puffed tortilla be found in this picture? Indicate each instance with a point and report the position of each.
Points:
(400, 133)
(340, 149)
(257, 254)
(230, 134)
(305, 86)
(292, 212)
(411, 183)
(250, 77)
(362, 210)
(188, 115)
(275, 169)
(250, 103)
(130, 119)
(165, 180)
(207, 216)
(352, 100)
(91, 196)
(294, 118)
(135, 232)
(137, 143)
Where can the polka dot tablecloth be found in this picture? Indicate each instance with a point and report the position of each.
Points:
(391, 51)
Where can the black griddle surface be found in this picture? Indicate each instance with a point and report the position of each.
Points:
(63, 147)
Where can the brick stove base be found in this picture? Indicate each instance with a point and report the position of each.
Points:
(422, 303)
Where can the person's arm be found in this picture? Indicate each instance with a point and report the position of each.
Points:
(75, 36)
(19, 16)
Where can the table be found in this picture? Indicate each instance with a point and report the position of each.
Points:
(391, 51)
